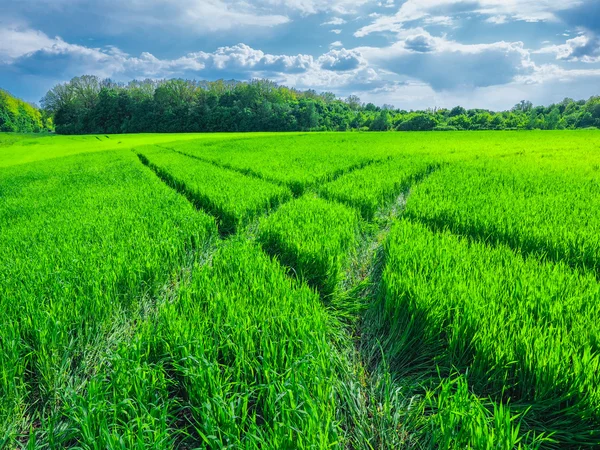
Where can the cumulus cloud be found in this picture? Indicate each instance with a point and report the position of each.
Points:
(335, 21)
(341, 60)
(449, 65)
(546, 73)
(59, 60)
(584, 48)
(15, 42)
(422, 43)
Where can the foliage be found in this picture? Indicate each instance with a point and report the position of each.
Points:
(21, 117)
(88, 104)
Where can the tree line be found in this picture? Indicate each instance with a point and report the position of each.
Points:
(88, 104)
(19, 116)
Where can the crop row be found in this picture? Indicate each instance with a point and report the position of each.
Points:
(375, 186)
(239, 357)
(556, 215)
(313, 236)
(85, 241)
(233, 198)
(294, 161)
(524, 332)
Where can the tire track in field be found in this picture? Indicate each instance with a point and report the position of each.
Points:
(359, 287)
(528, 248)
(297, 189)
(355, 295)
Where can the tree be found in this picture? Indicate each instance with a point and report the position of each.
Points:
(353, 102)
(523, 106)
(418, 122)
(457, 111)
(383, 122)
(19, 116)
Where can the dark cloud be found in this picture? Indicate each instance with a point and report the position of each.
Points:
(421, 44)
(589, 50)
(450, 70)
(586, 15)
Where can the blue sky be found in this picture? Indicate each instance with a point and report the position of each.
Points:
(409, 53)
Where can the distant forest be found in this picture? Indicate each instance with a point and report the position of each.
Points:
(88, 104)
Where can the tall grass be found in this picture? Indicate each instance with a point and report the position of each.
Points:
(555, 215)
(85, 241)
(313, 237)
(375, 186)
(522, 332)
(297, 161)
(240, 357)
(233, 198)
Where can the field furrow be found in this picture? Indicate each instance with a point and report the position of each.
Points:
(312, 236)
(522, 331)
(232, 198)
(552, 215)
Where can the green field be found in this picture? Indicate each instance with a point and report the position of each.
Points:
(300, 290)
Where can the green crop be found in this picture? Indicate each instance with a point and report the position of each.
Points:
(457, 276)
(86, 241)
(535, 211)
(240, 357)
(312, 236)
(297, 161)
(233, 198)
(522, 331)
(377, 185)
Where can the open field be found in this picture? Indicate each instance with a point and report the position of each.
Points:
(294, 290)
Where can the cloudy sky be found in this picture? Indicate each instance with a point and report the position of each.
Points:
(409, 53)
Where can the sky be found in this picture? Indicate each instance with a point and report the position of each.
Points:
(412, 54)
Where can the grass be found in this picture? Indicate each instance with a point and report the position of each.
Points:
(86, 242)
(233, 198)
(523, 332)
(375, 186)
(556, 215)
(233, 360)
(354, 297)
(313, 237)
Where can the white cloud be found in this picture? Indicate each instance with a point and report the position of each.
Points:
(552, 73)
(416, 95)
(497, 20)
(316, 6)
(411, 10)
(335, 21)
(15, 42)
(337, 69)
(341, 60)
(446, 21)
(336, 44)
(336, 31)
(584, 48)
(449, 65)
